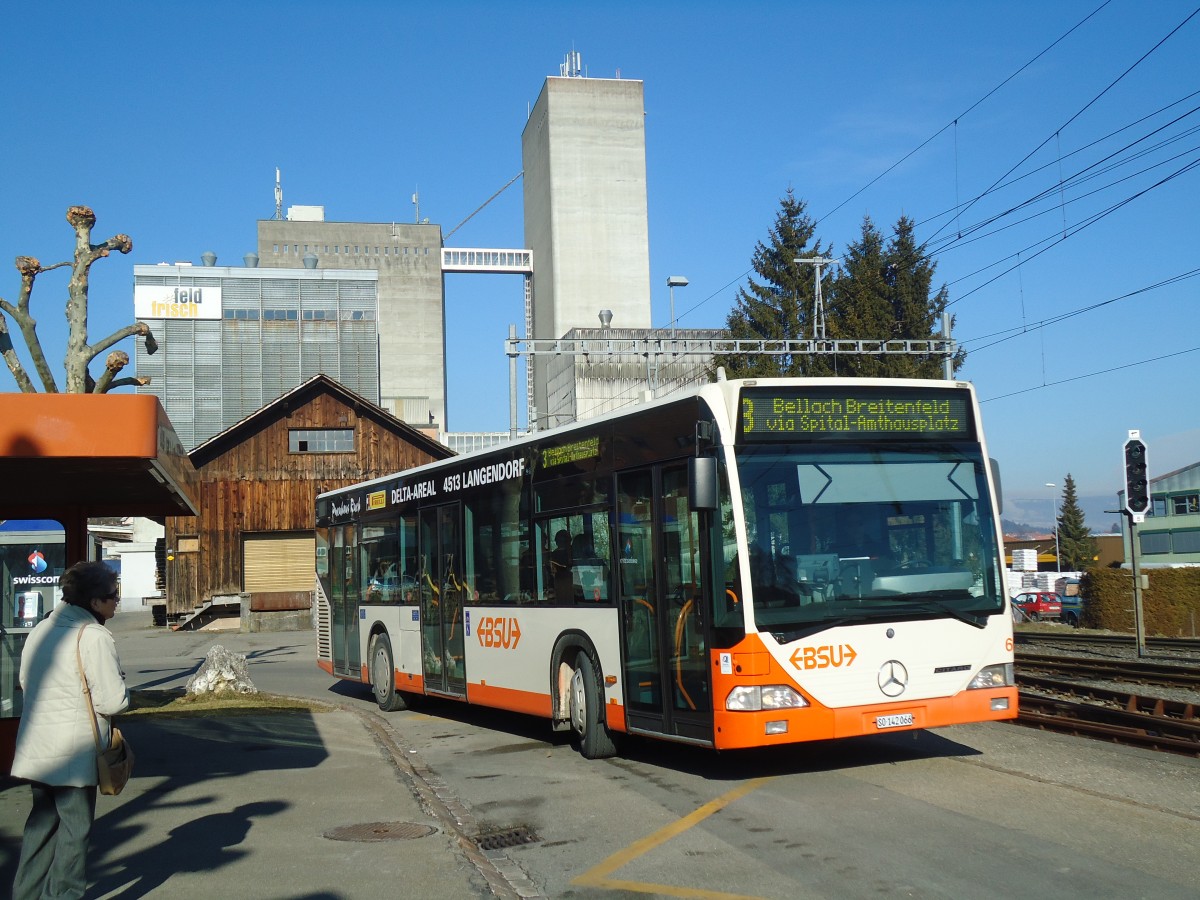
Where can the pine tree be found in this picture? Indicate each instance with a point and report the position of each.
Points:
(779, 305)
(883, 293)
(1076, 547)
(860, 305)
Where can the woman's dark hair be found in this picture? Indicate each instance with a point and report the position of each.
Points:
(87, 581)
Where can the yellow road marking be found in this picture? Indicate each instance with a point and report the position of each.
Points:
(597, 876)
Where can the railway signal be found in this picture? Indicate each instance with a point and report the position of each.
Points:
(1137, 476)
(1137, 502)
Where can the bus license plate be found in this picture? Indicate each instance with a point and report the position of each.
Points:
(897, 721)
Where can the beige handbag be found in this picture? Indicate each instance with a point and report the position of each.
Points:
(115, 764)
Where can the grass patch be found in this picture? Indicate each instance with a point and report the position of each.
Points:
(180, 703)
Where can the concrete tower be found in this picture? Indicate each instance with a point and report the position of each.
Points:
(412, 318)
(584, 158)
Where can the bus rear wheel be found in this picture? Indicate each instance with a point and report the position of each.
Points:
(594, 741)
(383, 675)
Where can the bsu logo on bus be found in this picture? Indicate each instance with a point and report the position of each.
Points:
(497, 631)
(823, 657)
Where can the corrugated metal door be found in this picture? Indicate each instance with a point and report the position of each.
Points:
(278, 562)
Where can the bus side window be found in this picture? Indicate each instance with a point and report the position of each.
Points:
(409, 565)
(727, 597)
(589, 573)
(542, 578)
(560, 567)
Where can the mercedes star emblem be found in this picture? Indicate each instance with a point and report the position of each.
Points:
(893, 678)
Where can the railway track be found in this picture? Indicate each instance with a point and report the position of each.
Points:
(1129, 719)
(1114, 699)
(1135, 672)
(1170, 645)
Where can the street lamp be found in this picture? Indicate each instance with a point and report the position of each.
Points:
(674, 281)
(1054, 500)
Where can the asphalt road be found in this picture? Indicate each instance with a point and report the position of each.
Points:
(988, 811)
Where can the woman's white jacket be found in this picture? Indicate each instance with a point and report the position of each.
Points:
(55, 744)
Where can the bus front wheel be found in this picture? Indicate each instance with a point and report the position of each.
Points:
(383, 675)
(587, 712)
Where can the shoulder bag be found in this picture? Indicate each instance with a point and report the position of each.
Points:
(114, 764)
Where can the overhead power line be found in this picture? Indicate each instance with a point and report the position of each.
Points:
(1088, 173)
(970, 108)
(1092, 374)
(1059, 231)
(955, 210)
(1077, 114)
(1016, 331)
(1078, 227)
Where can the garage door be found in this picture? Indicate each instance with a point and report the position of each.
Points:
(278, 562)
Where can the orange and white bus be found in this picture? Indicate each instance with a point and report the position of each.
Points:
(746, 564)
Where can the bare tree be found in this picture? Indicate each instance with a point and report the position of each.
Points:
(79, 352)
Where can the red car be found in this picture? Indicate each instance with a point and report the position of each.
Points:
(1039, 605)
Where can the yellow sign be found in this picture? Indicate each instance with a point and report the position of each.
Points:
(569, 453)
(872, 412)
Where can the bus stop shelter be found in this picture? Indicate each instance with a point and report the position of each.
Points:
(69, 458)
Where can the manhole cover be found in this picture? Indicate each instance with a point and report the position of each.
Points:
(510, 837)
(380, 831)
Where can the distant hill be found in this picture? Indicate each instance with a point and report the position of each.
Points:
(1094, 513)
(1099, 521)
(1019, 530)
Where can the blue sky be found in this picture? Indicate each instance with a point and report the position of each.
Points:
(169, 120)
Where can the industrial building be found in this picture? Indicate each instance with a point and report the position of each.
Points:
(600, 370)
(1170, 534)
(232, 339)
(364, 303)
(406, 261)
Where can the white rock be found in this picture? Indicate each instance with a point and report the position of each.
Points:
(222, 672)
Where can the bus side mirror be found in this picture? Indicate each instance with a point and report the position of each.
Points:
(702, 483)
(996, 481)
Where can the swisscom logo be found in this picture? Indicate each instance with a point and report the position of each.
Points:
(38, 566)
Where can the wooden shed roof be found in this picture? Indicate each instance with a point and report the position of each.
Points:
(298, 396)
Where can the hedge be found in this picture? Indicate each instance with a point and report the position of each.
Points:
(1170, 605)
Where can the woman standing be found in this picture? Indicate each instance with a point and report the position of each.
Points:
(56, 749)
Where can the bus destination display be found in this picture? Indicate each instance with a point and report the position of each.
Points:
(877, 413)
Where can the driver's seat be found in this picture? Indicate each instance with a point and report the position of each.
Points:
(855, 578)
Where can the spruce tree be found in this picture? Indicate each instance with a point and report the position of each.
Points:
(778, 304)
(860, 304)
(884, 293)
(881, 292)
(1076, 547)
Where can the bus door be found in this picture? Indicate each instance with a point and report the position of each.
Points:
(663, 597)
(343, 600)
(443, 596)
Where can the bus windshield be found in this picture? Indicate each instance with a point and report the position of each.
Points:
(852, 533)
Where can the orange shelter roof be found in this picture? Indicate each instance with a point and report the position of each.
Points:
(99, 454)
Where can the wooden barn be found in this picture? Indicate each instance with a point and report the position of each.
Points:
(252, 544)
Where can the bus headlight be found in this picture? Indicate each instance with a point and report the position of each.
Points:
(752, 698)
(999, 675)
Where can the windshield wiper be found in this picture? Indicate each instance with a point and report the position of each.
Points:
(875, 609)
(808, 629)
(971, 617)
